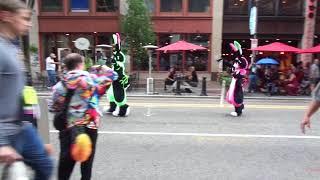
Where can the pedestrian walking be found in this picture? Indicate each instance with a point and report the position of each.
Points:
(19, 140)
(51, 70)
(83, 91)
(313, 108)
(314, 74)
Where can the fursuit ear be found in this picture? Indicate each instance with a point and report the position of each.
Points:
(118, 41)
(114, 39)
(238, 46)
(233, 47)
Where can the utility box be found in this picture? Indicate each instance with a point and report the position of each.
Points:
(150, 85)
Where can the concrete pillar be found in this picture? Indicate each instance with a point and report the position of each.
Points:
(216, 37)
(43, 122)
(308, 33)
(123, 7)
(34, 41)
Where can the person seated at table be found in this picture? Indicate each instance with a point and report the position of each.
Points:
(291, 84)
(192, 77)
(170, 79)
(260, 78)
(298, 71)
(271, 77)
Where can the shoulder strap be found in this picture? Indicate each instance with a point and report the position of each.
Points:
(69, 94)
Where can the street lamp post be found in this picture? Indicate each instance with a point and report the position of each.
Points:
(150, 81)
(253, 26)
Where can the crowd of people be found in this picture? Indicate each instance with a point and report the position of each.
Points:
(296, 80)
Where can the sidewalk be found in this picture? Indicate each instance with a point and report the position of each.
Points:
(213, 91)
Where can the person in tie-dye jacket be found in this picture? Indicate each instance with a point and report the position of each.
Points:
(83, 108)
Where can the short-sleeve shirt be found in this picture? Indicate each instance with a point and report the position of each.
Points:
(49, 65)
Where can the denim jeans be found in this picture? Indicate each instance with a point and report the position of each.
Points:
(29, 145)
(52, 77)
(252, 82)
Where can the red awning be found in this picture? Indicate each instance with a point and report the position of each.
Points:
(315, 49)
(277, 47)
(181, 46)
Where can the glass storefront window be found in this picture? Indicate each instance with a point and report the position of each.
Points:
(107, 5)
(266, 7)
(170, 5)
(150, 5)
(48, 45)
(290, 7)
(236, 7)
(62, 41)
(198, 59)
(104, 39)
(51, 5)
(168, 60)
(199, 5)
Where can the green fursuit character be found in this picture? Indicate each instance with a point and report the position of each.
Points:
(117, 92)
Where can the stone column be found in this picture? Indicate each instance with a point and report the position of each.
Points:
(123, 7)
(216, 37)
(309, 28)
(34, 41)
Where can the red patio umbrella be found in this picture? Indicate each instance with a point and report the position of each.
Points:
(277, 47)
(315, 49)
(181, 46)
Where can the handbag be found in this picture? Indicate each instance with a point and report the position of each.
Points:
(60, 119)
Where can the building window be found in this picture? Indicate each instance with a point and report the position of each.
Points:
(150, 5)
(236, 7)
(79, 5)
(171, 5)
(290, 7)
(266, 7)
(168, 60)
(198, 59)
(107, 5)
(199, 5)
(51, 5)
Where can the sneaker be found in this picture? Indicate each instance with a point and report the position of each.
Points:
(234, 114)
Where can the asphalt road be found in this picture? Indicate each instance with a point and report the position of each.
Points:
(191, 139)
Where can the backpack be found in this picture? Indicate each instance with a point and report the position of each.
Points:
(60, 119)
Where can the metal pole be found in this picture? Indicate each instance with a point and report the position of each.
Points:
(150, 62)
(43, 123)
(204, 87)
(254, 3)
(178, 86)
(223, 91)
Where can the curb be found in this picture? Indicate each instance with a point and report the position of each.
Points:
(206, 97)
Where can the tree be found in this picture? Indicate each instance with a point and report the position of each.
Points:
(138, 31)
